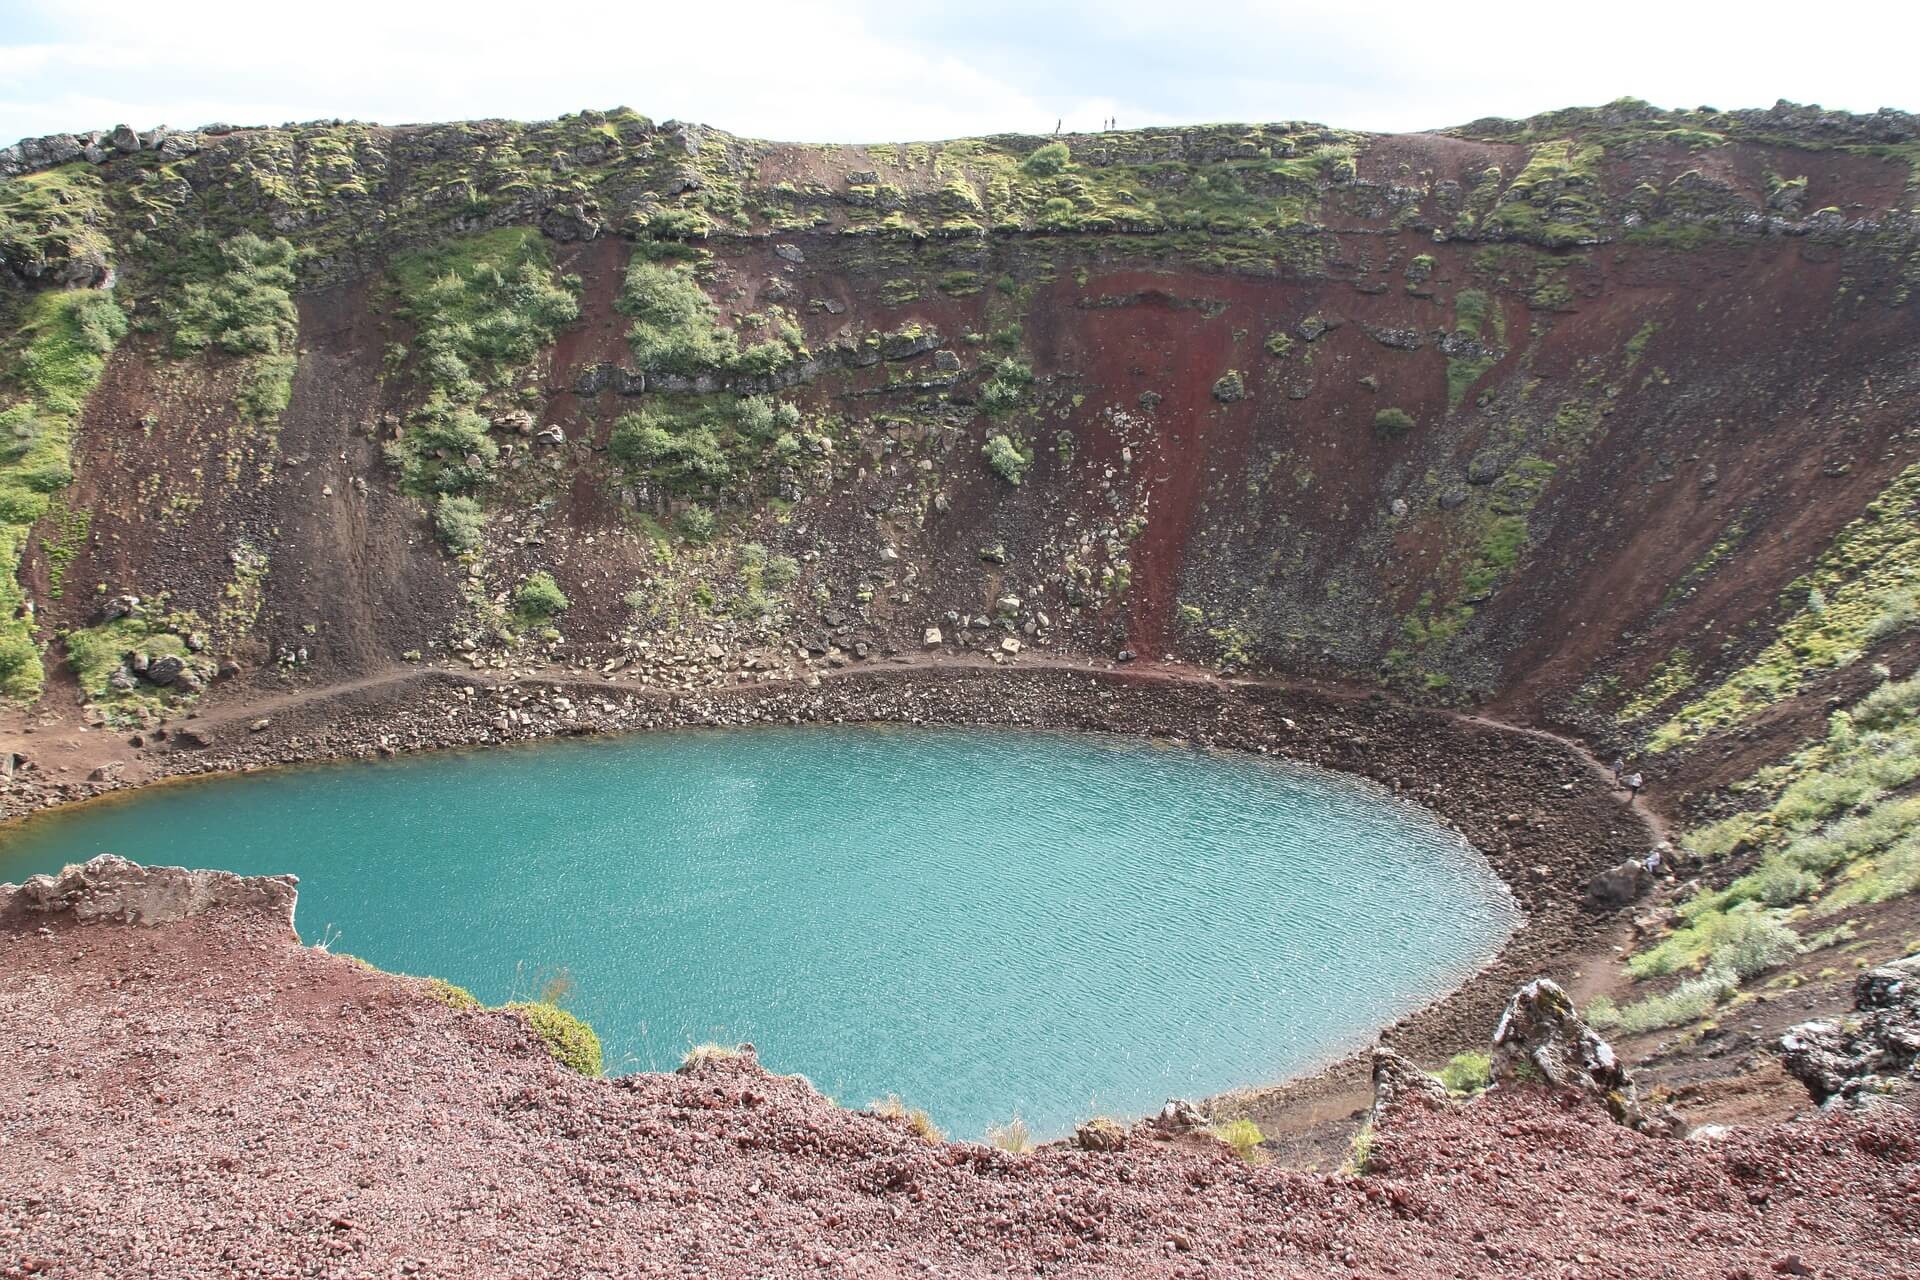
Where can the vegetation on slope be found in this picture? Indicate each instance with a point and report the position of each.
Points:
(55, 356)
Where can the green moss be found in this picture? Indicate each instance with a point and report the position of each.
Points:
(483, 306)
(1673, 676)
(1467, 1072)
(569, 1039)
(1392, 424)
(54, 218)
(1009, 458)
(48, 368)
(1840, 604)
(458, 998)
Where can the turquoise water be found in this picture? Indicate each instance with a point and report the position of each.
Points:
(982, 921)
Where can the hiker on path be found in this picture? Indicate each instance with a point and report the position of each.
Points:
(1619, 766)
(1634, 782)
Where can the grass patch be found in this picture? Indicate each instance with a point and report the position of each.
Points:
(1692, 1000)
(1467, 1072)
(482, 307)
(48, 368)
(1244, 1136)
(570, 1040)
(1848, 602)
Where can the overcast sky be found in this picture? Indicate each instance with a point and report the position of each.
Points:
(874, 70)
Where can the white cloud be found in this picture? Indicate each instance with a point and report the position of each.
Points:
(858, 71)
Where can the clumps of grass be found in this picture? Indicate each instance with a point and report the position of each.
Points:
(483, 306)
(570, 1040)
(1360, 1152)
(709, 1051)
(1244, 1136)
(1854, 597)
(1467, 1072)
(1392, 423)
(1278, 344)
(1230, 387)
(676, 328)
(1008, 458)
(245, 304)
(48, 368)
(454, 997)
(1007, 389)
(238, 299)
(1692, 1000)
(696, 525)
(705, 444)
(1742, 941)
(1013, 1137)
(1046, 160)
(459, 522)
(891, 1108)
(538, 599)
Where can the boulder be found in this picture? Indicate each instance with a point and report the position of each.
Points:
(789, 253)
(1396, 1082)
(164, 670)
(1542, 1040)
(1100, 1134)
(112, 888)
(1856, 1059)
(1180, 1116)
(1619, 886)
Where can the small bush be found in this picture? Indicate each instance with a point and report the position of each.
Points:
(1013, 1136)
(540, 597)
(453, 997)
(696, 524)
(1691, 1001)
(1279, 344)
(708, 1052)
(570, 1040)
(893, 1109)
(460, 523)
(1007, 459)
(1467, 1072)
(1392, 424)
(1046, 160)
(1244, 1136)
(1360, 1151)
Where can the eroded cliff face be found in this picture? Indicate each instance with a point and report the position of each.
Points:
(1574, 417)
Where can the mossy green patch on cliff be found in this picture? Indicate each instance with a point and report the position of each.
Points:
(569, 1039)
(236, 297)
(676, 328)
(59, 348)
(483, 306)
(53, 223)
(1861, 590)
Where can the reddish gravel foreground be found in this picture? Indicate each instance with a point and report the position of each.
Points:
(207, 1098)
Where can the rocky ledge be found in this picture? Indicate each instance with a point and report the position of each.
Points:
(197, 1094)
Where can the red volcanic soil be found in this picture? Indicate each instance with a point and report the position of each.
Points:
(207, 1098)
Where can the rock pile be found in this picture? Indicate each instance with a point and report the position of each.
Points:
(1854, 1060)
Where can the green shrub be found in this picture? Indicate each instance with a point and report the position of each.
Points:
(696, 524)
(453, 997)
(460, 523)
(1742, 940)
(1006, 390)
(539, 597)
(1691, 1001)
(1013, 1137)
(445, 449)
(246, 308)
(1244, 1136)
(1467, 1072)
(780, 571)
(21, 671)
(675, 327)
(569, 1039)
(1007, 459)
(1392, 424)
(1046, 160)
